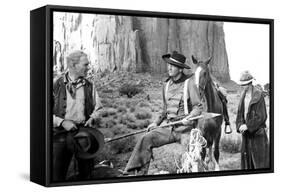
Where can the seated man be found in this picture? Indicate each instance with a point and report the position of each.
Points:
(76, 105)
(180, 97)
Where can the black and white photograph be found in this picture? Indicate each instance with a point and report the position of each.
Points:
(138, 96)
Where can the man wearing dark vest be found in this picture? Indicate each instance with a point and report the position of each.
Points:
(76, 105)
(180, 97)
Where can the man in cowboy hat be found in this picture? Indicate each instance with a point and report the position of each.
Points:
(180, 97)
(250, 122)
(76, 105)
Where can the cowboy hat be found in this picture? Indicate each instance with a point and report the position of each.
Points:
(86, 143)
(245, 78)
(176, 59)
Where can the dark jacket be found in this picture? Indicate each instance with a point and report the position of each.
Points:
(254, 149)
(59, 95)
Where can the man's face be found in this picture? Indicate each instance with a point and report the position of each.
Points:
(82, 67)
(173, 70)
(246, 87)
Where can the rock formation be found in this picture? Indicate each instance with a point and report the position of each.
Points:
(137, 43)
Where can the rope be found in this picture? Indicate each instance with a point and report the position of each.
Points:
(192, 156)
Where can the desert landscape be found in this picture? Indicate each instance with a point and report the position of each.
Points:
(128, 71)
(131, 101)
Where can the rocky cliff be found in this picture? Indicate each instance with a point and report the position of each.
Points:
(137, 43)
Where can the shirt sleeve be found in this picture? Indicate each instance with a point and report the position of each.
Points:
(57, 121)
(194, 97)
(98, 104)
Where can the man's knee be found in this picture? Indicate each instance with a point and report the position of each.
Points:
(148, 138)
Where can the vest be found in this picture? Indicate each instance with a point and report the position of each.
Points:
(176, 101)
(59, 96)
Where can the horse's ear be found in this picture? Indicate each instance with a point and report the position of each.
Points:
(194, 60)
(208, 60)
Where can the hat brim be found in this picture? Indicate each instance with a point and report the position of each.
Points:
(243, 83)
(97, 139)
(168, 60)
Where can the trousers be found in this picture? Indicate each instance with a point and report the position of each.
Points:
(62, 157)
(142, 153)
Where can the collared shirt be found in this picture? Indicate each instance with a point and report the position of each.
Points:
(75, 106)
(174, 97)
(173, 101)
(247, 100)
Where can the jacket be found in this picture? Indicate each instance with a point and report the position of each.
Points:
(254, 149)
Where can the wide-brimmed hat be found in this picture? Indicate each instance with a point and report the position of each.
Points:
(245, 78)
(86, 143)
(176, 59)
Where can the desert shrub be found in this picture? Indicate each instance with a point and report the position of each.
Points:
(132, 109)
(143, 104)
(108, 112)
(120, 129)
(143, 123)
(108, 91)
(122, 109)
(128, 104)
(127, 118)
(132, 125)
(123, 145)
(155, 109)
(129, 89)
(231, 144)
(138, 124)
(110, 123)
(142, 114)
(105, 101)
(97, 123)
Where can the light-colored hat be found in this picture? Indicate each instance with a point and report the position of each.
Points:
(245, 78)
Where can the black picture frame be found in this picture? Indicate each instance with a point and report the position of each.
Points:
(41, 81)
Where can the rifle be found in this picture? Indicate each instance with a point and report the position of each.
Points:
(204, 115)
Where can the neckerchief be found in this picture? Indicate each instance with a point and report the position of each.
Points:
(72, 86)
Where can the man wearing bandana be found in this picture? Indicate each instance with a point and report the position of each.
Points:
(76, 105)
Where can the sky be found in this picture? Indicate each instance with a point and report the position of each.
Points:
(247, 47)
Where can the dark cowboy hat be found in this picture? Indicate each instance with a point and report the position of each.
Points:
(176, 59)
(86, 143)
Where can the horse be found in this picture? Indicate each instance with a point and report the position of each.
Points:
(211, 128)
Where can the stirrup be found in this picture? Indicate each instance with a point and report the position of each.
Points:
(227, 129)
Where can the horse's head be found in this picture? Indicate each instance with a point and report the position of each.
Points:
(202, 74)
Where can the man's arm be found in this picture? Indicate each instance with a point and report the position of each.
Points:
(163, 114)
(97, 107)
(97, 103)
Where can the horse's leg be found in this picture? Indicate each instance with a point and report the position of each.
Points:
(210, 159)
(217, 152)
(203, 154)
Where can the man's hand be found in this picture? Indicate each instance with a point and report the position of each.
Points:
(186, 121)
(151, 126)
(89, 123)
(68, 125)
(243, 128)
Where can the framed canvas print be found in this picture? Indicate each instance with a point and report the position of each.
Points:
(121, 95)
